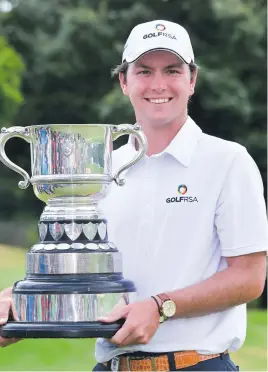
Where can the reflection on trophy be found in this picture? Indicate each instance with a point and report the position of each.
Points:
(74, 273)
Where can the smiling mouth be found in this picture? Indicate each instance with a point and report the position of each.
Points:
(158, 100)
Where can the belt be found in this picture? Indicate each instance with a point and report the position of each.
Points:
(182, 359)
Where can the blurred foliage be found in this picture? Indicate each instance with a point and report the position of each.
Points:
(70, 46)
(11, 68)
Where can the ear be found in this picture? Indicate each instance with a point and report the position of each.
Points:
(193, 82)
(123, 83)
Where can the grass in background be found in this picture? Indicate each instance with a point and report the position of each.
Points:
(78, 355)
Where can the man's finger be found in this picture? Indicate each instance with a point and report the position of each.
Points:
(7, 292)
(129, 340)
(3, 320)
(8, 341)
(124, 332)
(4, 341)
(116, 314)
(5, 306)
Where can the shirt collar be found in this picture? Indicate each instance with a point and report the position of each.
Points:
(183, 145)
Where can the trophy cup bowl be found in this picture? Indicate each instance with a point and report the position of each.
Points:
(74, 273)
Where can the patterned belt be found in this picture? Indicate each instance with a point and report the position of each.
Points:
(182, 359)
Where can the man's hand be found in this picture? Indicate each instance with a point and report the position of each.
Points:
(142, 321)
(6, 306)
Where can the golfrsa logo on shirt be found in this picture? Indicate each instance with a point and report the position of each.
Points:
(182, 190)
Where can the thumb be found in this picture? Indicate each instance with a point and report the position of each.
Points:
(7, 292)
(117, 313)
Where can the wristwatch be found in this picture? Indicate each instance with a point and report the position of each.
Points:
(167, 308)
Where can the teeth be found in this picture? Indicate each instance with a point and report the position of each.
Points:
(159, 100)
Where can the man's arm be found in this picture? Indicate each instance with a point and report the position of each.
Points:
(242, 281)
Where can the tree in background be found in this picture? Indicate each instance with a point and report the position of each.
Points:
(11, 68)
(11, 98)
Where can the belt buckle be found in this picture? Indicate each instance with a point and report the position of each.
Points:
(122, 363)
(115, 364)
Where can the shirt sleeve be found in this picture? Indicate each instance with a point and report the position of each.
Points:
(240, 218)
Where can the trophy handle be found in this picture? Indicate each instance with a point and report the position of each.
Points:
(5, 135)
(120, 130)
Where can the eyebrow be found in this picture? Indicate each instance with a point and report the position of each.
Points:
(175, 65)
(141, 65)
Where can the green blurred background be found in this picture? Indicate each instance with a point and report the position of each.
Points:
(55, 63)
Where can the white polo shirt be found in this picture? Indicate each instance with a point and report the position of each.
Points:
(180, 213)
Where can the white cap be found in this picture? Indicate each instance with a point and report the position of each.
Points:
(158, 35)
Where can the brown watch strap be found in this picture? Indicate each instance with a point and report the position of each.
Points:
(158, 306)
(163, 297)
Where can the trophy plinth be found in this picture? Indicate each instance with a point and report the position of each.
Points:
(74, 273)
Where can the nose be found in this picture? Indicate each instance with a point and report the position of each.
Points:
(158, 83)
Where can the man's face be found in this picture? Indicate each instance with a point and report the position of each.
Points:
(159, 86)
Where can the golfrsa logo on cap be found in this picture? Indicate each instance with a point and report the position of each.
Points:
(160, 27)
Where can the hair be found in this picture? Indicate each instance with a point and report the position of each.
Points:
(123, 67)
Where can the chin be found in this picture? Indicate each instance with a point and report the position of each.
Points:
(160, 122)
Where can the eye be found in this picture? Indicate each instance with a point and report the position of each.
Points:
(173, 72)
(144, 72)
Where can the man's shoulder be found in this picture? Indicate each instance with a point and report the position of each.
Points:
(225, 154)
(217, 143)
(220, 147)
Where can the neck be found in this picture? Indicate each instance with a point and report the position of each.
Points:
(160, 137)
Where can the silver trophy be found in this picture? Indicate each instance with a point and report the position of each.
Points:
(74, 273)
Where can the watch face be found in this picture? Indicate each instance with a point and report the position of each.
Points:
(169, 308)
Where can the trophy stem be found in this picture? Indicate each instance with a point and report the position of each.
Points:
(72, 208)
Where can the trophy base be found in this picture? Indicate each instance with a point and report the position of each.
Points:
(60, 330)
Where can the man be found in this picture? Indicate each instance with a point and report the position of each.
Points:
(190, 222)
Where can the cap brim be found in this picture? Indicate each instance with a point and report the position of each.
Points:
(139, 55)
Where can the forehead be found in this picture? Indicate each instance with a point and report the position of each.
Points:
(158, 58)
